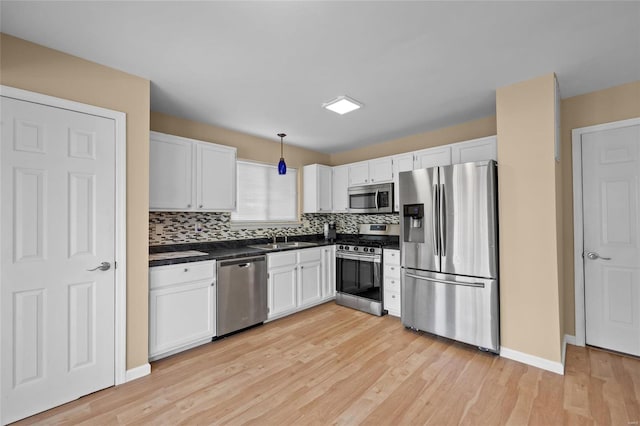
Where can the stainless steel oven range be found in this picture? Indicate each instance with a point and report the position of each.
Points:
(359, 268)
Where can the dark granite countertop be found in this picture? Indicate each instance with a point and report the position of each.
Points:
(221, 250)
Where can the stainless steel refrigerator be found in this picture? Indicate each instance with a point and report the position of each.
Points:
(449, 252)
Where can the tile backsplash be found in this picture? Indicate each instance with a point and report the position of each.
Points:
(179, 227)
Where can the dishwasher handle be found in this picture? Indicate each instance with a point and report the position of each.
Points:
(242, 263)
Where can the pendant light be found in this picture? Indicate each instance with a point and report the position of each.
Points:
(282, 166)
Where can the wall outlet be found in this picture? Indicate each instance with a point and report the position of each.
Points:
(198, 227)
(159, 229)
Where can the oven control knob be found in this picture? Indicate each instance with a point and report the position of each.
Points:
(341, 247)
(355, 249)
(365, 249)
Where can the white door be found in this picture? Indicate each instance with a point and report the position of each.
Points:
(57, 219)
(611, 175)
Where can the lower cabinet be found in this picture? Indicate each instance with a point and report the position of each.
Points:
(297, 280)
(182, 307)
(391, 274)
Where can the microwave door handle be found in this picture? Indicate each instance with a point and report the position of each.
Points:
(377, 194)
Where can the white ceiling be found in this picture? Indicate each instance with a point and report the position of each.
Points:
(266, 67)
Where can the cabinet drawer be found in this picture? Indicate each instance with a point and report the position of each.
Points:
(276, 260)
(392, 271)
(391, 257)
(392, 284)
(310, 255)
(163, 276)
(392, 301)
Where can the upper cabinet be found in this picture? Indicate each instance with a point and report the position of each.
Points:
(432, 157)
(474, 150)
(190, 175)
(340, 186)
(378, 170)
(401, 163)
(317, 196)
(359, 173)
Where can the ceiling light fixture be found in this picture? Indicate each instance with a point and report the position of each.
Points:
(282, 166)
(342, 105)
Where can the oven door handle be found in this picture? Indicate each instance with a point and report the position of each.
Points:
(348, 256)
(377, 194)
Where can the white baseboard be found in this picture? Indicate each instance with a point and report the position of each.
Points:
(545, 364)
(570, 340)
(137, 372)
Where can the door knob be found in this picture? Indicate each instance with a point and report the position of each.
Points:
(593, 256)
(104, 266)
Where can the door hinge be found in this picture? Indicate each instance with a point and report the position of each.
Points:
(115, 265)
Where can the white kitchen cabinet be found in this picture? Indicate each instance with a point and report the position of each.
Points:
(340, 186)
(328, 272)
(381, 170)
(474, 150)
(378, 170)
(215, 177)
(190, 175)
(391, 274)
(317, 184)
(359, 173)
(309, 283)
(282, 294)
(401, 163)
(170, 173)
(296, 280)
(432, 157)
(182, 307)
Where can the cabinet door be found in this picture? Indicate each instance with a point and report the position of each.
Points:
(328, 272)
(215, 177)
(283, 296)
(381, 170)
(432, 157)
(359, 173)
(401, 163)
(474, 150)
(325, 189)
(180, 315)
(340, 185)
(170, 173)
(309, 283)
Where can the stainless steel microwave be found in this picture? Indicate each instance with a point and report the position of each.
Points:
(371, 198)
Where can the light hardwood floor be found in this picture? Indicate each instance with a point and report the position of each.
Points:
(334, 365)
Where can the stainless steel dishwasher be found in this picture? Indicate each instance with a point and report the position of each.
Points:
(242, 293)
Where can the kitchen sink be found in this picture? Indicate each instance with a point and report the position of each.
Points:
(292, 244)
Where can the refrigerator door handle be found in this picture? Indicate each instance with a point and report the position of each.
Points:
(443, 221)
(436, 229)
(435, 280)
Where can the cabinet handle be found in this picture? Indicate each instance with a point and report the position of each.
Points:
(200, 205)
(393, 296)
(302, 267)
(189, 205)
(186, 269)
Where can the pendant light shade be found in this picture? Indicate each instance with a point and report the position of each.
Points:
(282, 166)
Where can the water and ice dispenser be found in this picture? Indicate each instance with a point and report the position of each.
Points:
(413, 223)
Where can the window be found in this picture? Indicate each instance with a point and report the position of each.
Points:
(264, 195)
